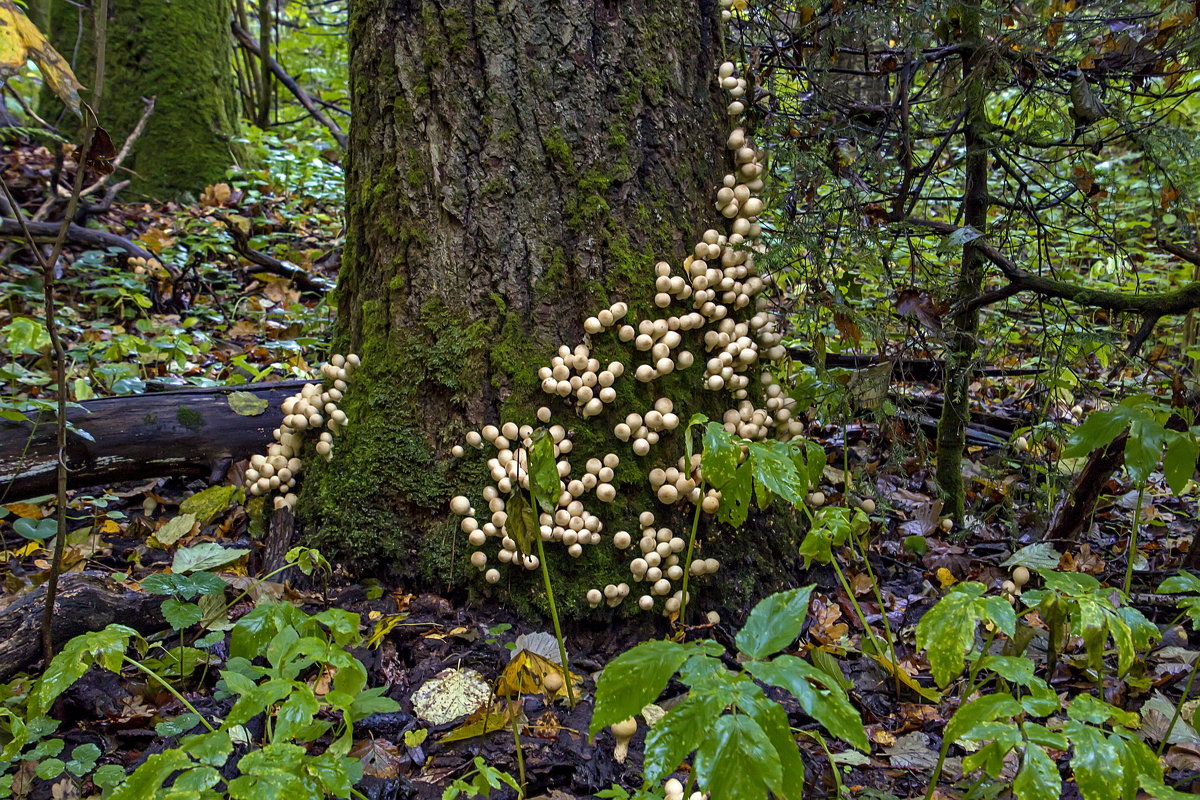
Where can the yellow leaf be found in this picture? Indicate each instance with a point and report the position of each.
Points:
(903, 676)
(946, 577)
(25, 510)
(110, 526)
(21, 41)
(526, 674)
(486, 720)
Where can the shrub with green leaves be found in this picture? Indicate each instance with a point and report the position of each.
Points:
(275, 653)
(1005, 699)
(742, 740)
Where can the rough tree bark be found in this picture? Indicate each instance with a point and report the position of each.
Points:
(182, 54)
(964, 327)
(513, 168)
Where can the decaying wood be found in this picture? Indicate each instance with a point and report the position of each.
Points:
(87, 601)
(186, 432)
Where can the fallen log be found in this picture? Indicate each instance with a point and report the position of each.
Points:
(87, 601)
(189, 432)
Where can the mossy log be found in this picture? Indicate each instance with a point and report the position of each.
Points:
(512, 170)
(191, 432)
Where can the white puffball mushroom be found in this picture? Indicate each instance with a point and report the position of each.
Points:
(867, 505)
(947, 524)
(460, 505)
(645, 602)
(457, 451)
(606, 493)
(478, 559)
(623, 732)
(493, 574)
(622, 540)
(594, 597)
(474, 439)
(816, 499)
(1020, 576)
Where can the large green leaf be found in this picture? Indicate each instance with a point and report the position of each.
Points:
(980, 710)
(720, 456)
(1095, 762)
(1038, 778)
(818, 694)
(774, 623)
(1143, 448)
(1179, 464)
(735, 496)
(775, 469)
(947, 631)
(774, 721)
(522, 524)
(205, 555)
(737, 761)
(1097, 431)
(681, 731)
(635, 679)
(543, 470)
(146, 781)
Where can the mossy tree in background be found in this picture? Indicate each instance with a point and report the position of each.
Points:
(180, 53)
(511, 171)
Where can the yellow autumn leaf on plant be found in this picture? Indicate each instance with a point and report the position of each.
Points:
(946, 577)
(21, 41)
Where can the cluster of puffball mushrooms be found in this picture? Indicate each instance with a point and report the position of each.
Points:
(313, 407)
(712, 315)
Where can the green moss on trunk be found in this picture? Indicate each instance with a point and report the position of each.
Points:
(181, 54)
(509, 175)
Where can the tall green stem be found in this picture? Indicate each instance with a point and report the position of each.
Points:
(970, 689)
(687, 566)
(170, 689)
(1133, 537)
(562, 647)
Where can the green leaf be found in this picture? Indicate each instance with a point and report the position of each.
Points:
(634, 679)
(50, 768)
(1038, 778)
(720, 456)
(988, 708)
(947, 631)
(105, 647)
(208, 748)
(1097, 431)
(175, 530)
(543, 469)
(1034, 556)
(177, 726)
(680, 732)
(108, 776)
(146, 781)
(180, 615)
(735, 497)
(83, 759)
(37, 530)
(1179, 464)
(1143, 448)
(997, 611)
(212, 501)
(774, 623)
(774, 468)
(247, 404)
(522, 524)
(1096, 762)
(774, 721)
(1017, 669)
(737, 761)
(205, 556)
(818, 694)
(1156, 788)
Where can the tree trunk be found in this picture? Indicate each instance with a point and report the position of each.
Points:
(178, 52)
(513, 168)
(964, 327)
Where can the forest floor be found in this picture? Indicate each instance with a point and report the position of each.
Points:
(208, 317)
